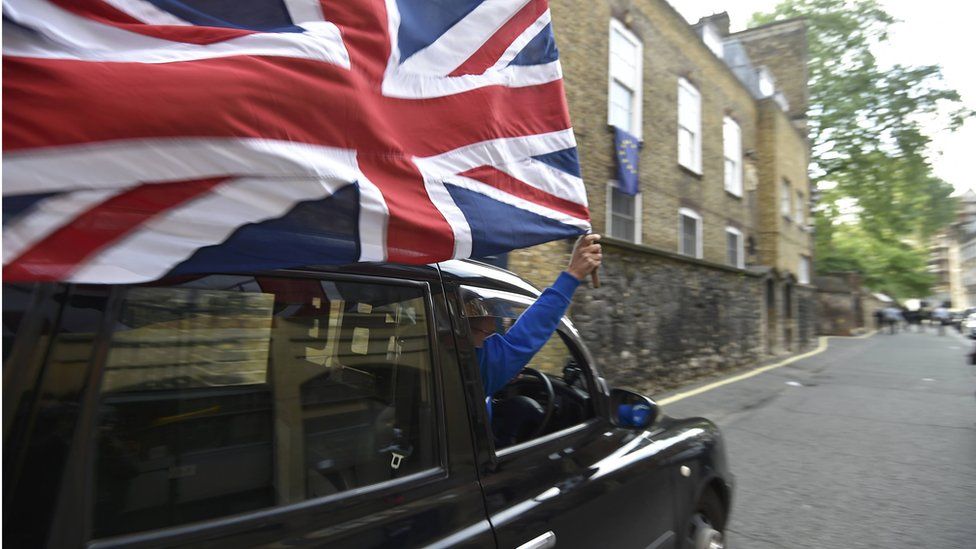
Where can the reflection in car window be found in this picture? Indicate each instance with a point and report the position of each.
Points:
(66, 351)
(16, 298)
(228, 394)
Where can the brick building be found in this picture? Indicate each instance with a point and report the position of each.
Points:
(708, 266)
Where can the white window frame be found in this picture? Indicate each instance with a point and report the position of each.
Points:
(786, 198)
(699, 247)
(693, 126)
(638, 200)
(632, 82)
(732, 147)
(740, 248)
(803, 272)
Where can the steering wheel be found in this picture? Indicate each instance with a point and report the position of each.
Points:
(550, 399)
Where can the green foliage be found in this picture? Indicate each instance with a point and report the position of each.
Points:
(852, 249)
(869, 150)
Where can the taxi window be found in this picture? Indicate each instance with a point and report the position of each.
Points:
(559, 359)
(227, 394)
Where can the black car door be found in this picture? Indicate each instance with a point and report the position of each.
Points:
(298, 409)
(574, 485)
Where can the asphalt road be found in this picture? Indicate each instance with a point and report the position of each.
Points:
(871, 443)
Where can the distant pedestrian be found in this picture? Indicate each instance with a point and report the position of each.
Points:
(878, 319)
(940, 315)
(892, 317)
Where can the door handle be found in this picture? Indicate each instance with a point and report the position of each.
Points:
(545, 541)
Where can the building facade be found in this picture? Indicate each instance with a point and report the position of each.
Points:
(707, 266)
(952, 257)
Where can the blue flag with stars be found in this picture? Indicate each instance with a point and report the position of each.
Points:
(626, 147)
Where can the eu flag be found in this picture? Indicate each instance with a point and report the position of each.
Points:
(626, 147)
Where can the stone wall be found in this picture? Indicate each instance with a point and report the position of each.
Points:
(659, 320)
(807, 314)
(846, 307)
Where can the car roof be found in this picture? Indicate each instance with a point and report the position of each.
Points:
(476, 273)
(457, 271)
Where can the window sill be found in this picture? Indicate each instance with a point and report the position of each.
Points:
(611, 242)
(690, 171)
(733, 195)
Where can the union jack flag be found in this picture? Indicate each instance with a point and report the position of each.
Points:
(144, 138)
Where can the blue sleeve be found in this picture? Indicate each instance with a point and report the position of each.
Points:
(503, 356)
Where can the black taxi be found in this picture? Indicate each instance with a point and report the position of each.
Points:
(337, 407)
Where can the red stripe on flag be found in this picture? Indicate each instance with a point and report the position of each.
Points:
(98, 10)
(49, 102)
(491, 51)
(63, 251)
(489, 175)
(363, 25)
(417, 231)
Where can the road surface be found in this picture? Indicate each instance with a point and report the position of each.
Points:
(871, 443)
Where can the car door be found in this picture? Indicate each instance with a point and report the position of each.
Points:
(573, 486)
(286, 409)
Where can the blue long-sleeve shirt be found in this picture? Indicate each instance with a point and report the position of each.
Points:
(503, 356)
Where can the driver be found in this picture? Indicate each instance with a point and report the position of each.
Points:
(502, 356)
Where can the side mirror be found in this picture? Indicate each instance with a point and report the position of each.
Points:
(632, 410)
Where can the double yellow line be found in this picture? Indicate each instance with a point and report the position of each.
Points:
(821, 347)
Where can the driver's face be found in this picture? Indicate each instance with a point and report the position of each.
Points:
(481, 328)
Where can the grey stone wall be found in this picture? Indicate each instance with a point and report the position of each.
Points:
(658, 320)
(806, 304)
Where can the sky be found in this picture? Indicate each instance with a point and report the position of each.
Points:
(929, 32)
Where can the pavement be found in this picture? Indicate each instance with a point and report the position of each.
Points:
(869, 443)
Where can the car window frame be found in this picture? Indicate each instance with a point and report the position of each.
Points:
(83, 497)
(571, 338)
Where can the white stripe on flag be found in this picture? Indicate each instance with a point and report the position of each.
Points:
(373, 221)
(146, 12)
(442, 199)
(505, 198)
(45, 217)
(495, 152)
(420, 86)
(455, 46)
(120, 164)
(546, 178)
(164, 241)
(303, 11)
(61, 34)
(523, 40)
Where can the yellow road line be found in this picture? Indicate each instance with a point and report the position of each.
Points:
(821, 347)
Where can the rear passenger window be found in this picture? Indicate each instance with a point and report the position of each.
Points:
(227, 394)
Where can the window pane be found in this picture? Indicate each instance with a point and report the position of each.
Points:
(623, 58)
(685, 147)
(621, 106)
(689, 236)
(229, 394)
(622, 228)
(785, 198)
(623, 215)
(732, 245)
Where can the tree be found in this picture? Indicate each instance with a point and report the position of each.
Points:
(869, 150)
